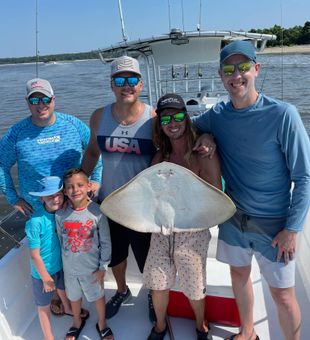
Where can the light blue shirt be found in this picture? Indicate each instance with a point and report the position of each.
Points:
(41, 233)
(263, 149)
(40, 152)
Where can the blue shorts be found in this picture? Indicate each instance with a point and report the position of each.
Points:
(237, 245)
(76, 286)
(42, 298)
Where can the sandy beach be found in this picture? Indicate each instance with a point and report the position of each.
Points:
(304, 49)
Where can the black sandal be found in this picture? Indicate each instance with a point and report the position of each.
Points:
(204, 335)
(157, 335)
(104, 333)
(84, 314)
(232, 337)
(74, 331)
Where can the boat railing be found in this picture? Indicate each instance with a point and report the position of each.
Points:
(12, 231)
(202, 86)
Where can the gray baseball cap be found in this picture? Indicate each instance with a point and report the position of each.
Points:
(39, 85)
(125, 64)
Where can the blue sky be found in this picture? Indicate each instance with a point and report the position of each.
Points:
(84, 25)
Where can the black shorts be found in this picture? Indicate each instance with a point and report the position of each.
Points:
(121, 238)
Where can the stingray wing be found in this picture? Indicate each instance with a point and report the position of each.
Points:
(167, 198)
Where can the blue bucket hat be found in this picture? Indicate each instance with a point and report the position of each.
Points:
(48, 186)
(243, 47)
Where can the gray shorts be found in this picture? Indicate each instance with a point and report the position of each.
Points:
(42, 298)
(238, 244)
(76, 286)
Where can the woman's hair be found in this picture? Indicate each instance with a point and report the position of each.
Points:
(162, 141)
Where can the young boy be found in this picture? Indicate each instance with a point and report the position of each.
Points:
(86, 251)
(46, 265)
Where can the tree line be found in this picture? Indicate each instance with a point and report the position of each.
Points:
(297, 35)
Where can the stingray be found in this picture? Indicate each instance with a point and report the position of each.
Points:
(167, 198)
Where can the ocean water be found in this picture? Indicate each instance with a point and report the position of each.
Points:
(82, 86)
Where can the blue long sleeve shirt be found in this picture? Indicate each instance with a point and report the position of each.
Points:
(39, 152)
(263, 149)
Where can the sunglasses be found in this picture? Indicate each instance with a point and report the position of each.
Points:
(177, 117)
(37, 100)
(131, 81)
(243, 67)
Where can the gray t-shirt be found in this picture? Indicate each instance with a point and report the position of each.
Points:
(84, 238)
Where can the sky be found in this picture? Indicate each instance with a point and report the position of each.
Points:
(70, 26)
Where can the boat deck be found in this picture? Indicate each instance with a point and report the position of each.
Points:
(18, 314)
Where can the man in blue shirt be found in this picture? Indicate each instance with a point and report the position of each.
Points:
(46, 143)
(264, 148)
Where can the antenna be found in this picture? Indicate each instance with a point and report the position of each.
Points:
(169, 14)
(282, 55)
(125, 38)
(183, 16)
(37, 48)
(199, 25)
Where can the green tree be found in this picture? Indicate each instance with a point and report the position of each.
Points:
(304, 37)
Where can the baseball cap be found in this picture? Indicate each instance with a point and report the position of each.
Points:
(39, 85)
(49, 185)
(243, 47)
(125, 64)
(171, 101)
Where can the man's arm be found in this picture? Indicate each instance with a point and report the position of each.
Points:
(295, 145)
(7, 160)
(92, 152)
(205, 144)
(210, 170)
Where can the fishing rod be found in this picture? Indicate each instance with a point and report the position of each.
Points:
(125, 37)
(37, 48)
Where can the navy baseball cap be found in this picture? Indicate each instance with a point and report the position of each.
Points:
(243, 47)
(171, 101)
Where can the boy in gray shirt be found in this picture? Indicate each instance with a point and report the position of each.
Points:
(86, 251)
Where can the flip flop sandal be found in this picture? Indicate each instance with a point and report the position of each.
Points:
(232, 337)
(84, 314)
(204, 335)
(57, 304)
(104, 333)
(74, 331)
(157, 335)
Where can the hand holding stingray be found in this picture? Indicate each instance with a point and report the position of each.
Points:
(168, 198)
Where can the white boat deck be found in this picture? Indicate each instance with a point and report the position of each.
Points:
(18, 318)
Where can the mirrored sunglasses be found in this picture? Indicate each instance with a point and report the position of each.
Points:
(131, 81)
(177, 117)
(243, 67)
(37, 100)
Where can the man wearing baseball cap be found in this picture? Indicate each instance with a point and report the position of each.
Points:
(43, 144)
(264, 148)
(46, 143)
(121, 133)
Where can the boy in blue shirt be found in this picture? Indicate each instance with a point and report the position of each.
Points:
(45, 253)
